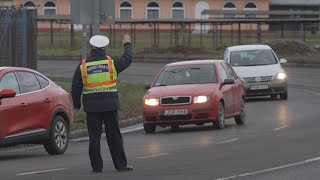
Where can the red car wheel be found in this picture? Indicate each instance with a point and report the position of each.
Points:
(241, 118)
(59, 137)
(149, 128)
(219, 123)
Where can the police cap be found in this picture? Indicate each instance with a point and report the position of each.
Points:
(99, 41)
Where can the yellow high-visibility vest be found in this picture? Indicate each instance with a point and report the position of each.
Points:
(99, 76)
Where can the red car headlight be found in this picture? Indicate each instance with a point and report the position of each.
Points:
(201, 99)
(151, 102)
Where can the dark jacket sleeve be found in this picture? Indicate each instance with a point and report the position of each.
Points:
(76, 90)
(121, 63)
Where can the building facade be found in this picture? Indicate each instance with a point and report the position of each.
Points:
(152, 9)
(5, 3)
(296, 5)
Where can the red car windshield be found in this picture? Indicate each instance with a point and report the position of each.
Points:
(187, 74)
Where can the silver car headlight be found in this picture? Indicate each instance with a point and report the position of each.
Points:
(281, 76)
(151, 102)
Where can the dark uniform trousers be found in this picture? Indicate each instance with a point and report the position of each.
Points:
(114, 138)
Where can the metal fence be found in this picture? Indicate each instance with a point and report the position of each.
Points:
(185, 37)
(18, 37)
(173, 33)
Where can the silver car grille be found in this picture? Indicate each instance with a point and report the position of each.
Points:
(175, 100)
(258, 79)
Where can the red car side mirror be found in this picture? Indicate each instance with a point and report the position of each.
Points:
(228, 81)
(7, 93)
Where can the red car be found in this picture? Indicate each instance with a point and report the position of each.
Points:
(33, 110)
(194, 92)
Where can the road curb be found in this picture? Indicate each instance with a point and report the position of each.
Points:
(122, 124)
(135, 59)
(168, 60)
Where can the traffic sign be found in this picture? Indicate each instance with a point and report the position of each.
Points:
(83, 11)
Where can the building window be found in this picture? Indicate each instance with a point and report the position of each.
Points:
(153, 11)
(250, 6)
(49, 8)
(229, 6)
(29, 5)
(177, 10)
(126, 10)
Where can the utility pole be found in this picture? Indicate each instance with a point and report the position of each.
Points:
(84, 41)
(96, 17)
(92, 12)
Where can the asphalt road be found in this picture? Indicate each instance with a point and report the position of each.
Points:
(279, 141)
(136, 73)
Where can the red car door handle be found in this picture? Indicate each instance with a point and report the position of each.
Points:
(23, 105)
(47, 100)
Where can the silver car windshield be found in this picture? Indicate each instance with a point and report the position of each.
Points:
(187, 74)
(252, 58)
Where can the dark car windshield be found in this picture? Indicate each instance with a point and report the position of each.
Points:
(252, 58)
(187, 74)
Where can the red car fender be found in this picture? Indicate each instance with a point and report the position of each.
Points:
(61, 111)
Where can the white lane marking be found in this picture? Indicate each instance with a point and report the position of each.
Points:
(228, 141)
(151, 156)
(307, 91)
(303, 84)
(80, 139)
(279, 128)
(39, 172)
(131, 130)
(123, 131)
(272, 169)
(226, 178)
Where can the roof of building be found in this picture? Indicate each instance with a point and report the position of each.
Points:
(295, 2)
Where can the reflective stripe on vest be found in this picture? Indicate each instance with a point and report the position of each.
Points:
(98, 76)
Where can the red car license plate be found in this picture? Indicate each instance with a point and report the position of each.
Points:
(173, 112)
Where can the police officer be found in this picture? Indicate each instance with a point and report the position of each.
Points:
(96, 79)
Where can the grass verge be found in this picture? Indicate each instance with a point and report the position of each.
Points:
(289, 47)
(130, 100)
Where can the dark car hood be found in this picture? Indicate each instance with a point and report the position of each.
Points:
(182, 90)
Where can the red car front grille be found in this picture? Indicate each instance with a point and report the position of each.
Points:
(176, 117)
(174, 100)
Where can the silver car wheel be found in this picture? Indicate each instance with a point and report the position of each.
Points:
(60, 135)
(242, 110)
